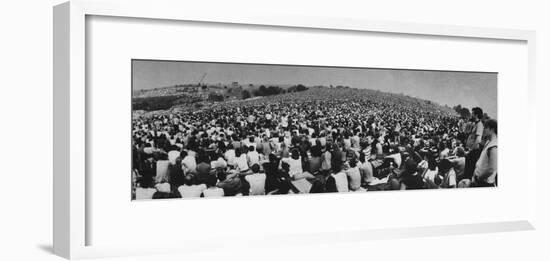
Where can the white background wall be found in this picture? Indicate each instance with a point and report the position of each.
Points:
(26, 131)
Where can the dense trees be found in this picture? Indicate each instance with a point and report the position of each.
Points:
(462, 111)
(168, 101)
(246, 94)
(215, 97)
(267, 91)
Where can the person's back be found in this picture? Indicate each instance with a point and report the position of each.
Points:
(163, 187)
(220, 163)
(347, 144)
(326, 163)
(172, 156)
(237, 144)
(203, 170)
(253, 158)
(449, 179)
(190, 163)
(213, 192)
(242, 162)
(191, 191)
(145, 193)
(355, 140)
(459, 165)
(257, 183)
(341, 180)
(266, 147)
(365, 169)
(230, 157)
(354, 177)
(231, 186)
(295, 165)
(271, 169)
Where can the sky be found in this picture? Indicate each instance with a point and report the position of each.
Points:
(469, 89)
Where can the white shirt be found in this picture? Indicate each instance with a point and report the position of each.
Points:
(295, 166)
(163, 187)
(220, 163)
(341, 181)
(230, 157)
(430, 174)
(190, 163)
(213, 192)
(172, 156)
(162, 171)
(483, 165)
(193, 191)
(145, 193)
(284, 122)
(323, 141)
(257, 183)
(253, 158)
(242, 162)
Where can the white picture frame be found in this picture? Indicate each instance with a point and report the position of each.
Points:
(70, 198)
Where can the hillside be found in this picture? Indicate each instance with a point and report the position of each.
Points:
(321, 94)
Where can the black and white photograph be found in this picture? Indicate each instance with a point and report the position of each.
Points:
(211, 129)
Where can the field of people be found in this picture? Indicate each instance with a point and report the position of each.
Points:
(314, 141)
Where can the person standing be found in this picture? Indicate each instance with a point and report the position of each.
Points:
(485, 173)
(474, 139)
(474, 143)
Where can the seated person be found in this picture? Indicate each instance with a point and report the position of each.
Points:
(162, 195)
(190, 188)
(256, 181)
(459, 163)
(411, 179)
(354, 176)
(241, 160)
(273, 177)
(365, 168)
(447, 174)
(231, 184)
(145, 189)
(340, 177)
(212, 190)
(296, 173)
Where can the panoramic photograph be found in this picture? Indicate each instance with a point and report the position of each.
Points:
(208, 129)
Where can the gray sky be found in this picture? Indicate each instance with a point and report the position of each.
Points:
(469, 89)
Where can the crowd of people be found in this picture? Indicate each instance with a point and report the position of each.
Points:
(307, 144)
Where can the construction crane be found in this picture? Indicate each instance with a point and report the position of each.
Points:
(202, 79)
